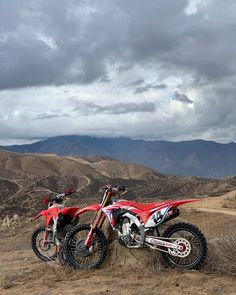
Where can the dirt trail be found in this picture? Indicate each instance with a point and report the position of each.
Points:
(222, 211)
(216, 204)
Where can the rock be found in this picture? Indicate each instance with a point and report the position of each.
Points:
(6, 222)
(15, 217)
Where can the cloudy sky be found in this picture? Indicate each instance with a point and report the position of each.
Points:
(151, 69)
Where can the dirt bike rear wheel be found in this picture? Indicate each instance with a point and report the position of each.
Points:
(44, 252)
(61, 255)
(77, 254)
(196, 242)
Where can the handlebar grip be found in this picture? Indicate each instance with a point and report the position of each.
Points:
(121, 188)
(57, 197)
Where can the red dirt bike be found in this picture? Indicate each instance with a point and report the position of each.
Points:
(47, 240)
(182, 244)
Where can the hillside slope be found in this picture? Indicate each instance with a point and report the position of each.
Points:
(26, 178)
(197, 157)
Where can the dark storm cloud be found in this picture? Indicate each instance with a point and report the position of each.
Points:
(150, 86)
(141, 87)
(60, 42)
(88, 108)
(49, 115)
(136, 82)
(116, 42)
(181, 97)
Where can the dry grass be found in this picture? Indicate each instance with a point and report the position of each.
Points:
(222, 253)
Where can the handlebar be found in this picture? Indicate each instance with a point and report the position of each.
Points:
(116, 190)
(58, 198)
(69, 192)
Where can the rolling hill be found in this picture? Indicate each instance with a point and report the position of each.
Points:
(26, 178)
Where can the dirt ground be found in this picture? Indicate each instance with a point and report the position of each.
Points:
(123, 274)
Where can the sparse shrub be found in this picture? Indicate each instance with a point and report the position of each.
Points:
(6, 283)
(231, 198)
(226, 205)
(194, 210)
(229, 205)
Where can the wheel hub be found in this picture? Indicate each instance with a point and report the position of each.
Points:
(44, 246)
(183, 250)
(81, 249)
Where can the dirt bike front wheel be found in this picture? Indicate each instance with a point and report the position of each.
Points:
(194, 246)
(41, 242)
(76, 252)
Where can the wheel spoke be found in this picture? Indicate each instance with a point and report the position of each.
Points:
(81, 256)
(44, 249)
(194, 247)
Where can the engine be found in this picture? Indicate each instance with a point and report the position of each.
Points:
(129, 233)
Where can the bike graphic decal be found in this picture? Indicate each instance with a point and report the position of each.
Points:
(157, 217)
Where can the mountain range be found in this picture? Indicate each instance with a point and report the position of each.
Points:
(185, 158)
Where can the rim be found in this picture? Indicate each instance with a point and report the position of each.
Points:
(193, 253)
(82, 256)
(48, 249)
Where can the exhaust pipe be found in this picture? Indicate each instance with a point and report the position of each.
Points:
(171, 214)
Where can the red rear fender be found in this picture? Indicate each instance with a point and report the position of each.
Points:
(175, 204)
(94, 207)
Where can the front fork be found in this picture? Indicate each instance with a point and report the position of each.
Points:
(54, 239)
(99, 219)
(98, 222)
(45, 237)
